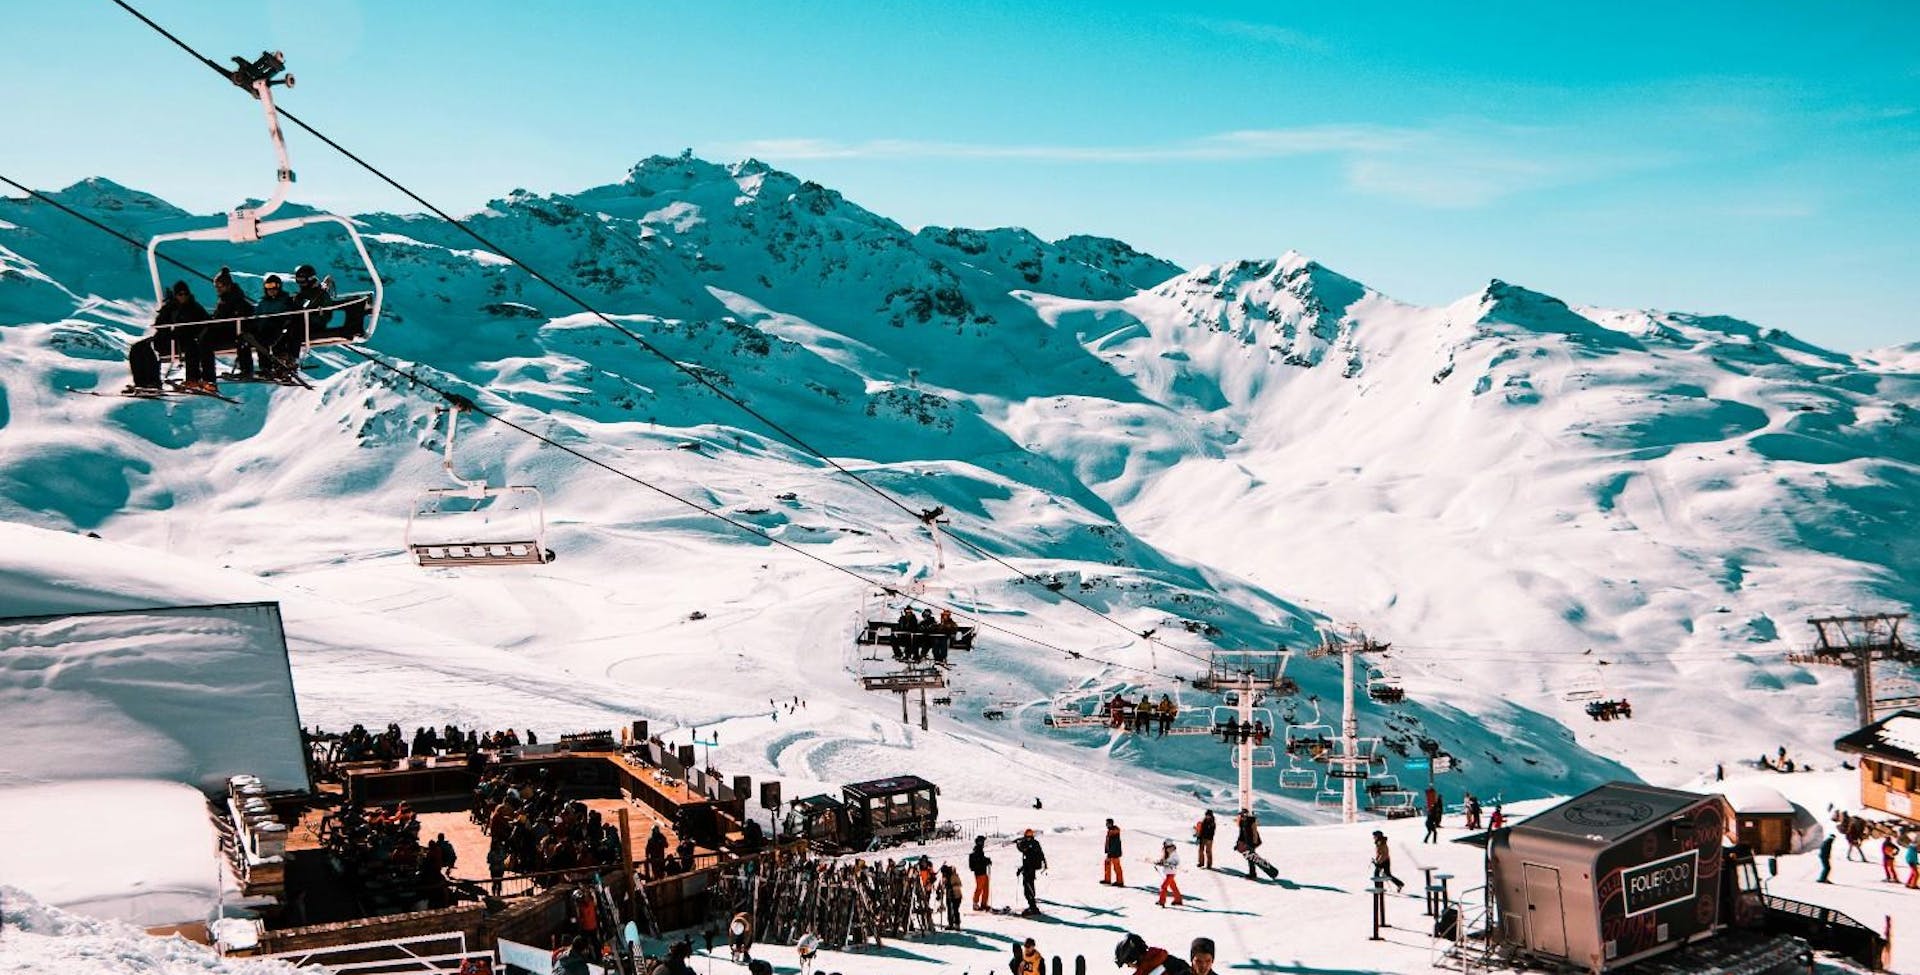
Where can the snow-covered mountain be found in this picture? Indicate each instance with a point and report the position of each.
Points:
(1508, 488)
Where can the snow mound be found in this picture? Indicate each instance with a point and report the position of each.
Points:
(42, 940)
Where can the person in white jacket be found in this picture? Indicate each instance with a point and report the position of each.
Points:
(1169, 864)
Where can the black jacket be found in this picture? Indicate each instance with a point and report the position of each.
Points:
(1207, 825)
(1113, 842)
(979, 862)
(1032, 858)
(175, 313)
(233, 304)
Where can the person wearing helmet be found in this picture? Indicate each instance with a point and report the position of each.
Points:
(1033, 860)
(1169, 864)
(1133, 950)
(175, 324)
(310, 294)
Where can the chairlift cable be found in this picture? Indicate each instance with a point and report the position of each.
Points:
(413, 377)
(639, 340)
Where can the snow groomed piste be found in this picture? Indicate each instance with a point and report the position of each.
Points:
(1244, 721)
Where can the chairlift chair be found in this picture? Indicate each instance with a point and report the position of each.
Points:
(1076, 711)
(1295, 777)
(360, 313)
(1383, 687)
(475, 524)
(1383, 784)
(1329, 797)
(1259, 756)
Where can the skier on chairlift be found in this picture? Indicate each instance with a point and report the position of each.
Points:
(177, 323)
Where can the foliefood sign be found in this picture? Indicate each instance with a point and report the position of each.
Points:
(1665, 881)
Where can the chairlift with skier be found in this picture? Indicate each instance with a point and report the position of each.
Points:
(299, 329)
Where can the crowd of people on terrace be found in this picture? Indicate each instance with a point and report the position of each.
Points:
(532, 829)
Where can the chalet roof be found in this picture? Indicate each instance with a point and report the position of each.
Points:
(1894, 738)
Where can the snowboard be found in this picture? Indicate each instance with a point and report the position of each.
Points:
(1260, 863)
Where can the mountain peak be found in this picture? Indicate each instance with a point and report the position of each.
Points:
(100, 193)
(1513, 306)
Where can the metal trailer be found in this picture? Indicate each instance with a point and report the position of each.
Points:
(1621, 873)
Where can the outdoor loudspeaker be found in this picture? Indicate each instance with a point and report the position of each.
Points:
(769, 795)
(686, 756)
(743, 785)
(640, 731)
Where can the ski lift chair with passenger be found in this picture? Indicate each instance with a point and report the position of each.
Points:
(1383, 688)
(359, 314)
(475, 524)
(1312, 738)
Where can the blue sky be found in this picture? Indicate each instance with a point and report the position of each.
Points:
(1754, 159)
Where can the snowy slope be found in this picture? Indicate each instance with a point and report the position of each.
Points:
(1237, 455)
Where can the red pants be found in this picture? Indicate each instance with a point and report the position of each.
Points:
(1170, 886)
(980, 892)
(1913, 877)
(1893, 871)
(1111, 873)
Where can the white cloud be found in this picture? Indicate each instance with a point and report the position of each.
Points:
(1460, 164)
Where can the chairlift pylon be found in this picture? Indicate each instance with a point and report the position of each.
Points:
(475, 524)
(360, 313)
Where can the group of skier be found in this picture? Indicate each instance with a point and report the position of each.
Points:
(1898, 846)
(915, 638)
(1144, 715)
(272, 328)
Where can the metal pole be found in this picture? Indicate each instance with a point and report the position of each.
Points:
(1246, 745)
(1349, 734)
(923, 707)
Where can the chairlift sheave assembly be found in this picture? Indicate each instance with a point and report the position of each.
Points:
(359, 313)
(475, 524)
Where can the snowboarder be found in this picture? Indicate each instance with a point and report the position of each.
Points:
(1247, 841)
(1200, 956)
(740, 938)
(1111, 873)
(1133, 950)
(1033, 860)
(981, 865)
(1203, 833)
(1169, 864)
(1383, 861)
(1826, 859)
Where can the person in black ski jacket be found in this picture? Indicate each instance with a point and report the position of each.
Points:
(230, 309)
(980, 864)
(1248, 842)
(1111, 873)
(1033, 860)
(267, 329)
(1203, 832)
(175, 324)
